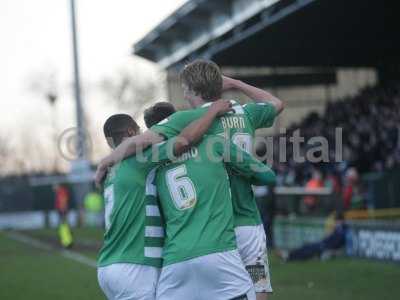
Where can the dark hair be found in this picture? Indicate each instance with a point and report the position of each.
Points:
(116, 127)
(157, 113)
(204, 78)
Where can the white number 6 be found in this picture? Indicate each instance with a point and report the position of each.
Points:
(181, 188)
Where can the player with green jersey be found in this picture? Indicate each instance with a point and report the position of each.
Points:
(239, 127)
(132, 249)
(200, 256)
(129, 261)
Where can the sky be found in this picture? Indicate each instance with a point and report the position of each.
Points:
(36, 45)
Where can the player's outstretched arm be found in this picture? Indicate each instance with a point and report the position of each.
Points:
(247, 165)
(127, 148)
(194, 132)
(253, 93)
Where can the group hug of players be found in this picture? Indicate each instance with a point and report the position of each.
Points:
(180, 214)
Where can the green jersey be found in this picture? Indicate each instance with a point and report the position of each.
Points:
(195, 198)
(134, 229)
(240, 127)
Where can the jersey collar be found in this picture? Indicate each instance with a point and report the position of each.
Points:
(209, 103)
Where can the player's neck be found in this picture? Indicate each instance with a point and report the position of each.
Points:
(197, 102)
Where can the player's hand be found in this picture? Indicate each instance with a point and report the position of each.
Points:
(220, 107)
(101, 173)
(228, 83)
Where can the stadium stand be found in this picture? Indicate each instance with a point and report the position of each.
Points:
(370, 123)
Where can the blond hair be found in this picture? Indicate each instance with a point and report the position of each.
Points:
(204, 78)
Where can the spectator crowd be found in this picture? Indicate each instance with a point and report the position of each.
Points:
(370, 124)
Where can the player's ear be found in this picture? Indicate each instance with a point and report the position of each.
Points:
(110, 142)
(132, 132)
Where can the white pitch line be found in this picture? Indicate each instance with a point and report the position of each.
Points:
(79, 258)
(72, 255)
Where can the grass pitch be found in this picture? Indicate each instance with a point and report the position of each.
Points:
(30, 273)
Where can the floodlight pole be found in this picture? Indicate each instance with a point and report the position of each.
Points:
(80, 145)
(80, 168)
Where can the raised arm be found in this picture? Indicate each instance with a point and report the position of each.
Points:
(127, 148)
(193, 133)
(254, 93)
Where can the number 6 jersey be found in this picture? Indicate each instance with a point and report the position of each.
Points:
(195, 198)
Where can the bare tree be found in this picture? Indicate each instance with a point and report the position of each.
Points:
(131, 90)
(45, 85)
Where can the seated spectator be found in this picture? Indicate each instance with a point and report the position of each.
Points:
(322, 249)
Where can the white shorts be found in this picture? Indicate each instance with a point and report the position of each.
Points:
(217, 276)
(252, 246)
(124, 281)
